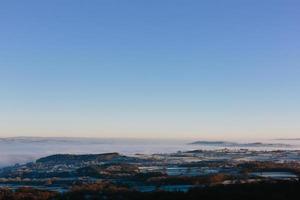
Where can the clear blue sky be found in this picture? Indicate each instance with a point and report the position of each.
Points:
(159, 68)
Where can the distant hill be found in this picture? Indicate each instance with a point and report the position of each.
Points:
(64, 165)
(71, 158)
(235, 144)
(289, 139)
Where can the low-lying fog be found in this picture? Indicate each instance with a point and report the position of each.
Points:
(22, 150)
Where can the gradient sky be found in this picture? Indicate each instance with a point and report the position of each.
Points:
(159, 68)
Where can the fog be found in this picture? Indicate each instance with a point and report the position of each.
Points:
(23, 150)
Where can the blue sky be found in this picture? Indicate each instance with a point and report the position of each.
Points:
(159, 68)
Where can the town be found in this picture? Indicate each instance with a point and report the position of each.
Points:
(175, 172)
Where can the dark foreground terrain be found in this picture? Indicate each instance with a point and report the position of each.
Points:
(271, 191)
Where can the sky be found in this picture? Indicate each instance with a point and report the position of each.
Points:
(150, 69)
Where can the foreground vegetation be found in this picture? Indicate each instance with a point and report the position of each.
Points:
(282, 190)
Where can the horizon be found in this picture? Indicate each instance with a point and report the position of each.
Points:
(159, 69)
(258, 139)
